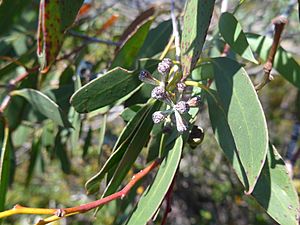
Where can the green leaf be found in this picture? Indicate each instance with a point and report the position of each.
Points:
(195, 25)
(275, 191)
(93, 184)
(284, 62)
(127, 55)
(155, 142)
(233, 34)
(203, 72)
(74, 117)
(44, 105)
(10, 12)
(34, 154)
(49, 37)
(105, 90)
(238, 120)
(54, 18)
(61, 151)
(156, 40)
(4, 165)
(130, 112)
(154, 195)
(139, 139)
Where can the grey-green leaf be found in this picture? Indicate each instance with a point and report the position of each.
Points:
(93, 184)
(134, 147)
(238, 119)
(233, 34)
(4, 165)
(284, 62)
(156, 40)
(105, 90)
(195, 25)
(127, 55)
(44, 105)
(154, 195)
(275, 192)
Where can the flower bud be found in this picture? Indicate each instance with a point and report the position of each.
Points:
(158, 116)
(159, 93)
(181, 125)
(181, 107)
(165, 66)
(147, 78)
(181, 87)
(194, 102)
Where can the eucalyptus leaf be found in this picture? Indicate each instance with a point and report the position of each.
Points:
(140, 138)
(93, 184)
(34, 154)
(275, 191)
(203, 72)
(196, 21)
(44, 105)
(55, 17)
(127, 55)
(233, 34)
(154, 195)
(156, 40)
(238, 120)
(4, 165)
(105, 90)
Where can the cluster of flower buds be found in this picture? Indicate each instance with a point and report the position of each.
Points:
(171, 96)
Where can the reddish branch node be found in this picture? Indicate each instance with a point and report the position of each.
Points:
(279, 23)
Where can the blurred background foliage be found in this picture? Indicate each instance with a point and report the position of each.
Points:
(49, 171)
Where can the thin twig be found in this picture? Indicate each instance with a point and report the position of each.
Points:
(93, 39)
(74, 51)
(12, 60)
(279, 23)
(224, 6)
(175, 31)
(167, 48)
(60, 213)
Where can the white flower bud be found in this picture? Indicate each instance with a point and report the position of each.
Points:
(159, 93)
(158, 117)
(181, 107)
(194, 102)
(165, 66)
(181, 125)
(181, 87)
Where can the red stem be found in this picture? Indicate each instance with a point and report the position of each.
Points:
(279, 23)
(121, 194)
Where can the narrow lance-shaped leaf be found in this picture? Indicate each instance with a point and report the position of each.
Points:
(93, 184)
(105, 90)
(156, 40)
(50, 37)
(4, 165)
(133, 149)
(238, 120)
(195, 25)
(44, 105)
(275, 191)
(155, 193)
(233, 34)
(55, 17)
(34, 155)
(284, 62)
(127, 55)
